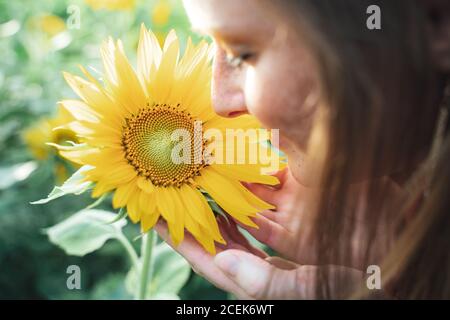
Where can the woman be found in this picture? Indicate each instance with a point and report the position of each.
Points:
(361, 115)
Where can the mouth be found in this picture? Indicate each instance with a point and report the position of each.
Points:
(236, 114)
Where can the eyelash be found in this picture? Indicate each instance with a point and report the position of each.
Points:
(237, 61)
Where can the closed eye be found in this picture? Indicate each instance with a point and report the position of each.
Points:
(237, 61)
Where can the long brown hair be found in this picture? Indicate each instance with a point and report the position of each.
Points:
(382, 93)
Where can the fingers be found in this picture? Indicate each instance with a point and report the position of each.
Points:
(282, 175)
(244, 274)
(235, 239)
(201, 261)
(266, 193)
(282, 263)
(269, 193)
(270, 233)
(259, 279)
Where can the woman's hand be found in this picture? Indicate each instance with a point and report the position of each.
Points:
(248, 273)
(279, 228)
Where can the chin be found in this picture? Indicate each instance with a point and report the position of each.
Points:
(305, 171)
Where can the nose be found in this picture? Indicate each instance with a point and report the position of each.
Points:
(228, 97)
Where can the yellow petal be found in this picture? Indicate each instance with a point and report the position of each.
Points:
(226, 195)
(123, 194)
(148, 221)
(206, 241)
(145, 184)
(241, 122)
(77, 155)
(102, 187)
(147, 203)
(163, 82)
(128, 91)
(197, 207)
(149, 55)
(91, 95)
(246, 173)
(165, 204)
(133, 208)
(251, 198)
(117, 175)
(80, 110)
(176, 228)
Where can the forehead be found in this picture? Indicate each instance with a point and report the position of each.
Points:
(212, 15)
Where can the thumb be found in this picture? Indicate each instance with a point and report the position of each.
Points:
(259, 279)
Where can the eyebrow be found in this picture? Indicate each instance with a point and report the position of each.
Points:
(219, 34)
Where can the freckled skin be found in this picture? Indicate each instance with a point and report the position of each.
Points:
(277, 85)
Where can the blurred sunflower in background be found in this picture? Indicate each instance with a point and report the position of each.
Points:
(46, 33)
(126, 123)
(50, 130)
(111, 4)
(48, 23)
(161, 13)
(160, 16)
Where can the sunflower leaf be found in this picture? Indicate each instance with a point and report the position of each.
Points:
(214, 206)
(11, 174)
(73, 185)
(85, 231)
(170, 274)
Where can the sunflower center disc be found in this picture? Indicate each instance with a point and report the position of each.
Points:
(148, 144)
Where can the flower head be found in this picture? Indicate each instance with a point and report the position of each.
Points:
(127, 125)
(48, 130)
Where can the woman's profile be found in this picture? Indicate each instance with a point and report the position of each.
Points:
(362, 115)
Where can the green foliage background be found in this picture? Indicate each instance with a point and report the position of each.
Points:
(30, 85)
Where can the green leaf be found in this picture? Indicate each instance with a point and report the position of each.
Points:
(111, 287)
(73, 185)
(85, 231)
(11, 174)
(214, 206)
(166, 296)
(170, 273)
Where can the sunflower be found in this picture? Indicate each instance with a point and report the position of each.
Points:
(125, 123)
(50, 130)
(161, 13)
(111, 4)
(48, 23)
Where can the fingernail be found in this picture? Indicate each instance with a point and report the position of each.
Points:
(228, 263)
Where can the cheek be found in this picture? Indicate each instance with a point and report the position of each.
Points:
(282, 92)
(256, 97)
(282, 96)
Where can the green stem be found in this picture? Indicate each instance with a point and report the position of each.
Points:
(148, 242)
(96, 202)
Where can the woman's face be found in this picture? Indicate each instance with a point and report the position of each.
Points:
(261, 68)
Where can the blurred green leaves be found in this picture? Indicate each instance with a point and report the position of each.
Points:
(15, 173)
(170, 274)
(30, 86)
(85, 231)
(74, 185)
(88, 230)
